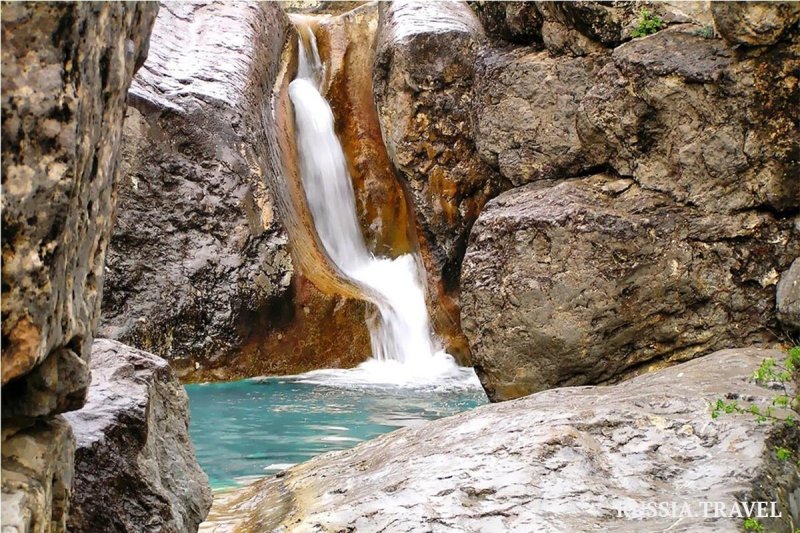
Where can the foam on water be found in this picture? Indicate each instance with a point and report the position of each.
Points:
(404, 351)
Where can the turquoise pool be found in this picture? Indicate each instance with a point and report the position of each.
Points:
(252, 428)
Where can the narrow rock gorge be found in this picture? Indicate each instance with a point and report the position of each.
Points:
(239, 235)
(199, 267)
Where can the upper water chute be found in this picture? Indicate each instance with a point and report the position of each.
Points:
(402, 344)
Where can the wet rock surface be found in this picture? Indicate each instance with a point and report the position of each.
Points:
(135, 468)
(594, 279)
(199, 267)
(788, 297)
(66, 70)
(562, 460)
(347, 47)
(423, 80)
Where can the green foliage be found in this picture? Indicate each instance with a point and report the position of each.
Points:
(752, 524)
(776, 376)
(783, 454)
(706, 32)
(647, 24)
(769, 374)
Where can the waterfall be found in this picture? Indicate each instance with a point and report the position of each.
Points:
(402, 345)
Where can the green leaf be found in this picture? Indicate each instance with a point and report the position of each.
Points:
(783, 454)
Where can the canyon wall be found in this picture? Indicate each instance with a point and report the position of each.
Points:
(66, 69)
(656, 195)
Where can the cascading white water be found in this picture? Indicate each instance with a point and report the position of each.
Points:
(403, 349)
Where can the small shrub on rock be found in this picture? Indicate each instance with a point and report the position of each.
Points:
(648, 24)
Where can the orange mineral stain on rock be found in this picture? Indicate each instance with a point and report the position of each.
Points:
(305, 331)
(20, 355)
(347, 45)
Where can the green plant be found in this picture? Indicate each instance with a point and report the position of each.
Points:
(777, 376)
(647, 24)
(706, 32)
(769, 374)
(783, 454)
(752, 524)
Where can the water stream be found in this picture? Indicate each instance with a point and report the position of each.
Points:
(404, 350)
(248, 429)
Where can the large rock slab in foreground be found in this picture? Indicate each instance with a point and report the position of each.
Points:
(596, 279)
(563, 460)
(135, 468)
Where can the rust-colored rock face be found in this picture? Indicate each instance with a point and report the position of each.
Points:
(423, 77)
(305, 330)
(347, 46)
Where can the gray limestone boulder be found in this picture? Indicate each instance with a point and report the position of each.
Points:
(135, 467)
(197, 251)
(597, 279)
(525, 109)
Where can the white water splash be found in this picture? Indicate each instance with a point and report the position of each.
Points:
(404, 352)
